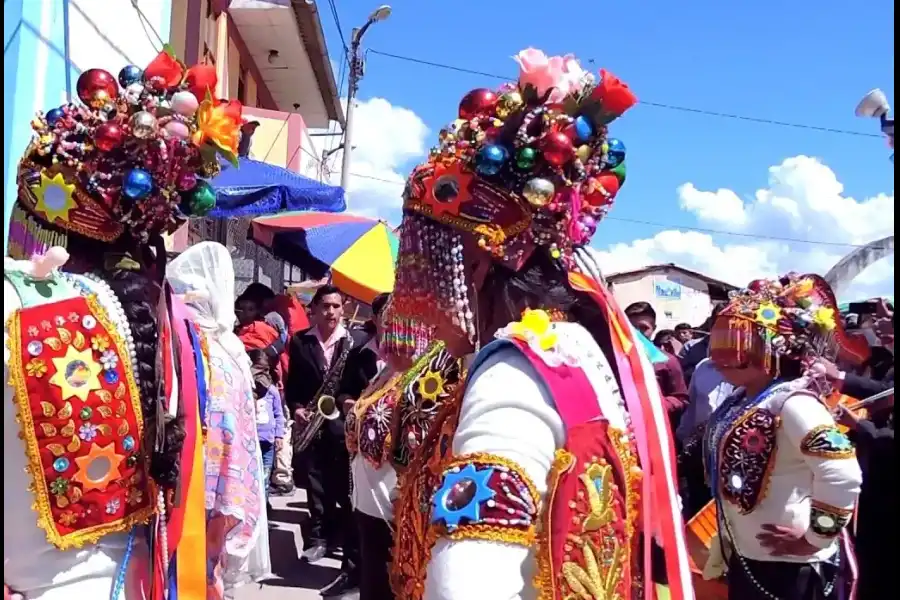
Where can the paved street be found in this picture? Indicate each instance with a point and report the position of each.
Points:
(293, 580)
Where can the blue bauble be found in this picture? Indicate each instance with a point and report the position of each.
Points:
(130, 74)
(138, 184)
(53, 115)
(490, 159)
(616, 152)
(584, 129)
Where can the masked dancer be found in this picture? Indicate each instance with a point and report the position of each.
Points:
(103, 448)
(784, 477)
(549, 472)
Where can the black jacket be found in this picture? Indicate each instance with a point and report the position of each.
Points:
(874, 440)
(308, 369)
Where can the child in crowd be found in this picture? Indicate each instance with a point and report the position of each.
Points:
(269, 412)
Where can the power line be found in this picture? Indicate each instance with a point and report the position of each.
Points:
(687, 227)
(687, 109)
(337, 23)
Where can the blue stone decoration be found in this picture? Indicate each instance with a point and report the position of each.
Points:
(453, 511)
(584, 129)
(128, 443)
(53, 115)
(130, 74)
(616, 153)
(138, 184)
(490, 159)
(111, 377)
(61, 464)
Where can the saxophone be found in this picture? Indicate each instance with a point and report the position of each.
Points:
(326, 404)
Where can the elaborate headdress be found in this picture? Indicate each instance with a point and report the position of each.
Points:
(794, 317)
(128, 160)
(529, 166)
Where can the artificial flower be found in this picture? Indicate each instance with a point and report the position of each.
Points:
(201, 80)
(613, 95)
(824, 317)
(36, 368)
(100, 343)
(559, 75)
(219, 122)
(164, 70)
(768, 314)
(535, 326)
(67, 518)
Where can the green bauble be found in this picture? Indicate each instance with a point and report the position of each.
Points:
(201, 199)
(619, 172)
(525, 158)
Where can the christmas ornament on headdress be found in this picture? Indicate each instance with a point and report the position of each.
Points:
(524, 167)
(130, 156)
(794, 317)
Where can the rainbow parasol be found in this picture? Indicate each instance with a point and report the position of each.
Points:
(359, 251)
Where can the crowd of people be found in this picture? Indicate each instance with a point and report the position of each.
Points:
(501, 428)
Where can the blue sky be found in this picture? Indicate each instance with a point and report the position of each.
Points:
(799, 61)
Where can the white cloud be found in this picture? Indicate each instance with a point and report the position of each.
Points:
(803, 200)
(386, 140)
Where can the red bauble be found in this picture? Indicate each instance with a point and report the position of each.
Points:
(93, 81)
(604, 188)
(477, 102)
(108, 136)
(557, 148)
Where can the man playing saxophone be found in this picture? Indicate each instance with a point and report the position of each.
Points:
(328, 363)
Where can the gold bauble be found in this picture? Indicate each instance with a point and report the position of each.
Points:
(509, 103)
(538, 191)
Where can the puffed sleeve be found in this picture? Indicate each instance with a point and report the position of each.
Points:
(829, 454)
(507, 413)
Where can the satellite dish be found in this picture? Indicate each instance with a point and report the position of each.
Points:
(873, 104)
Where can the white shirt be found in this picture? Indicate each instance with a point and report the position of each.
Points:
(506, 411)
(795, 480)
(373, 489)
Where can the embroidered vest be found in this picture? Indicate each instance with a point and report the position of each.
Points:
(80, 412)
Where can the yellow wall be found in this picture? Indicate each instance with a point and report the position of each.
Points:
(270, 141)
(178, 28)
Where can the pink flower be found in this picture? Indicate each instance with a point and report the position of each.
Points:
(562, 74)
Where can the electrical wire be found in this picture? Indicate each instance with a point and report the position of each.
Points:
(687, 109)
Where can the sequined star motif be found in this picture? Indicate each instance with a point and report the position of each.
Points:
(54, 197)
(98, 468)
(459, 499)
(77, 374)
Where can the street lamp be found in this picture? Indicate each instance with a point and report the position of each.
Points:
(356, 72)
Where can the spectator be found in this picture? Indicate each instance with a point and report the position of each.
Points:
(684, 333)
(666, 339)
(668, 374)
(269, 411)
(698, 348)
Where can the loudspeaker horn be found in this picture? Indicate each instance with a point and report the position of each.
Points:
(873, 104)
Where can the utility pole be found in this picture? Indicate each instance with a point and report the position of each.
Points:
(356, 73)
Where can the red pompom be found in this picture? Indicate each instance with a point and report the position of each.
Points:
(200, 79)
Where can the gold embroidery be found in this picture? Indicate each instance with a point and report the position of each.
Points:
(543, 579)
(38, 484)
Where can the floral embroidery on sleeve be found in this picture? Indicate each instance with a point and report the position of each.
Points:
(826, 441)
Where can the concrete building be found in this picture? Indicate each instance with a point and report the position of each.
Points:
(269, 54)
(677, 294)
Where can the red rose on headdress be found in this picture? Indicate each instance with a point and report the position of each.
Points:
(613, 95)
(201, 78)
(164, 70)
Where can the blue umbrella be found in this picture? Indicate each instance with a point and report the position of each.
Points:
(256, 188)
